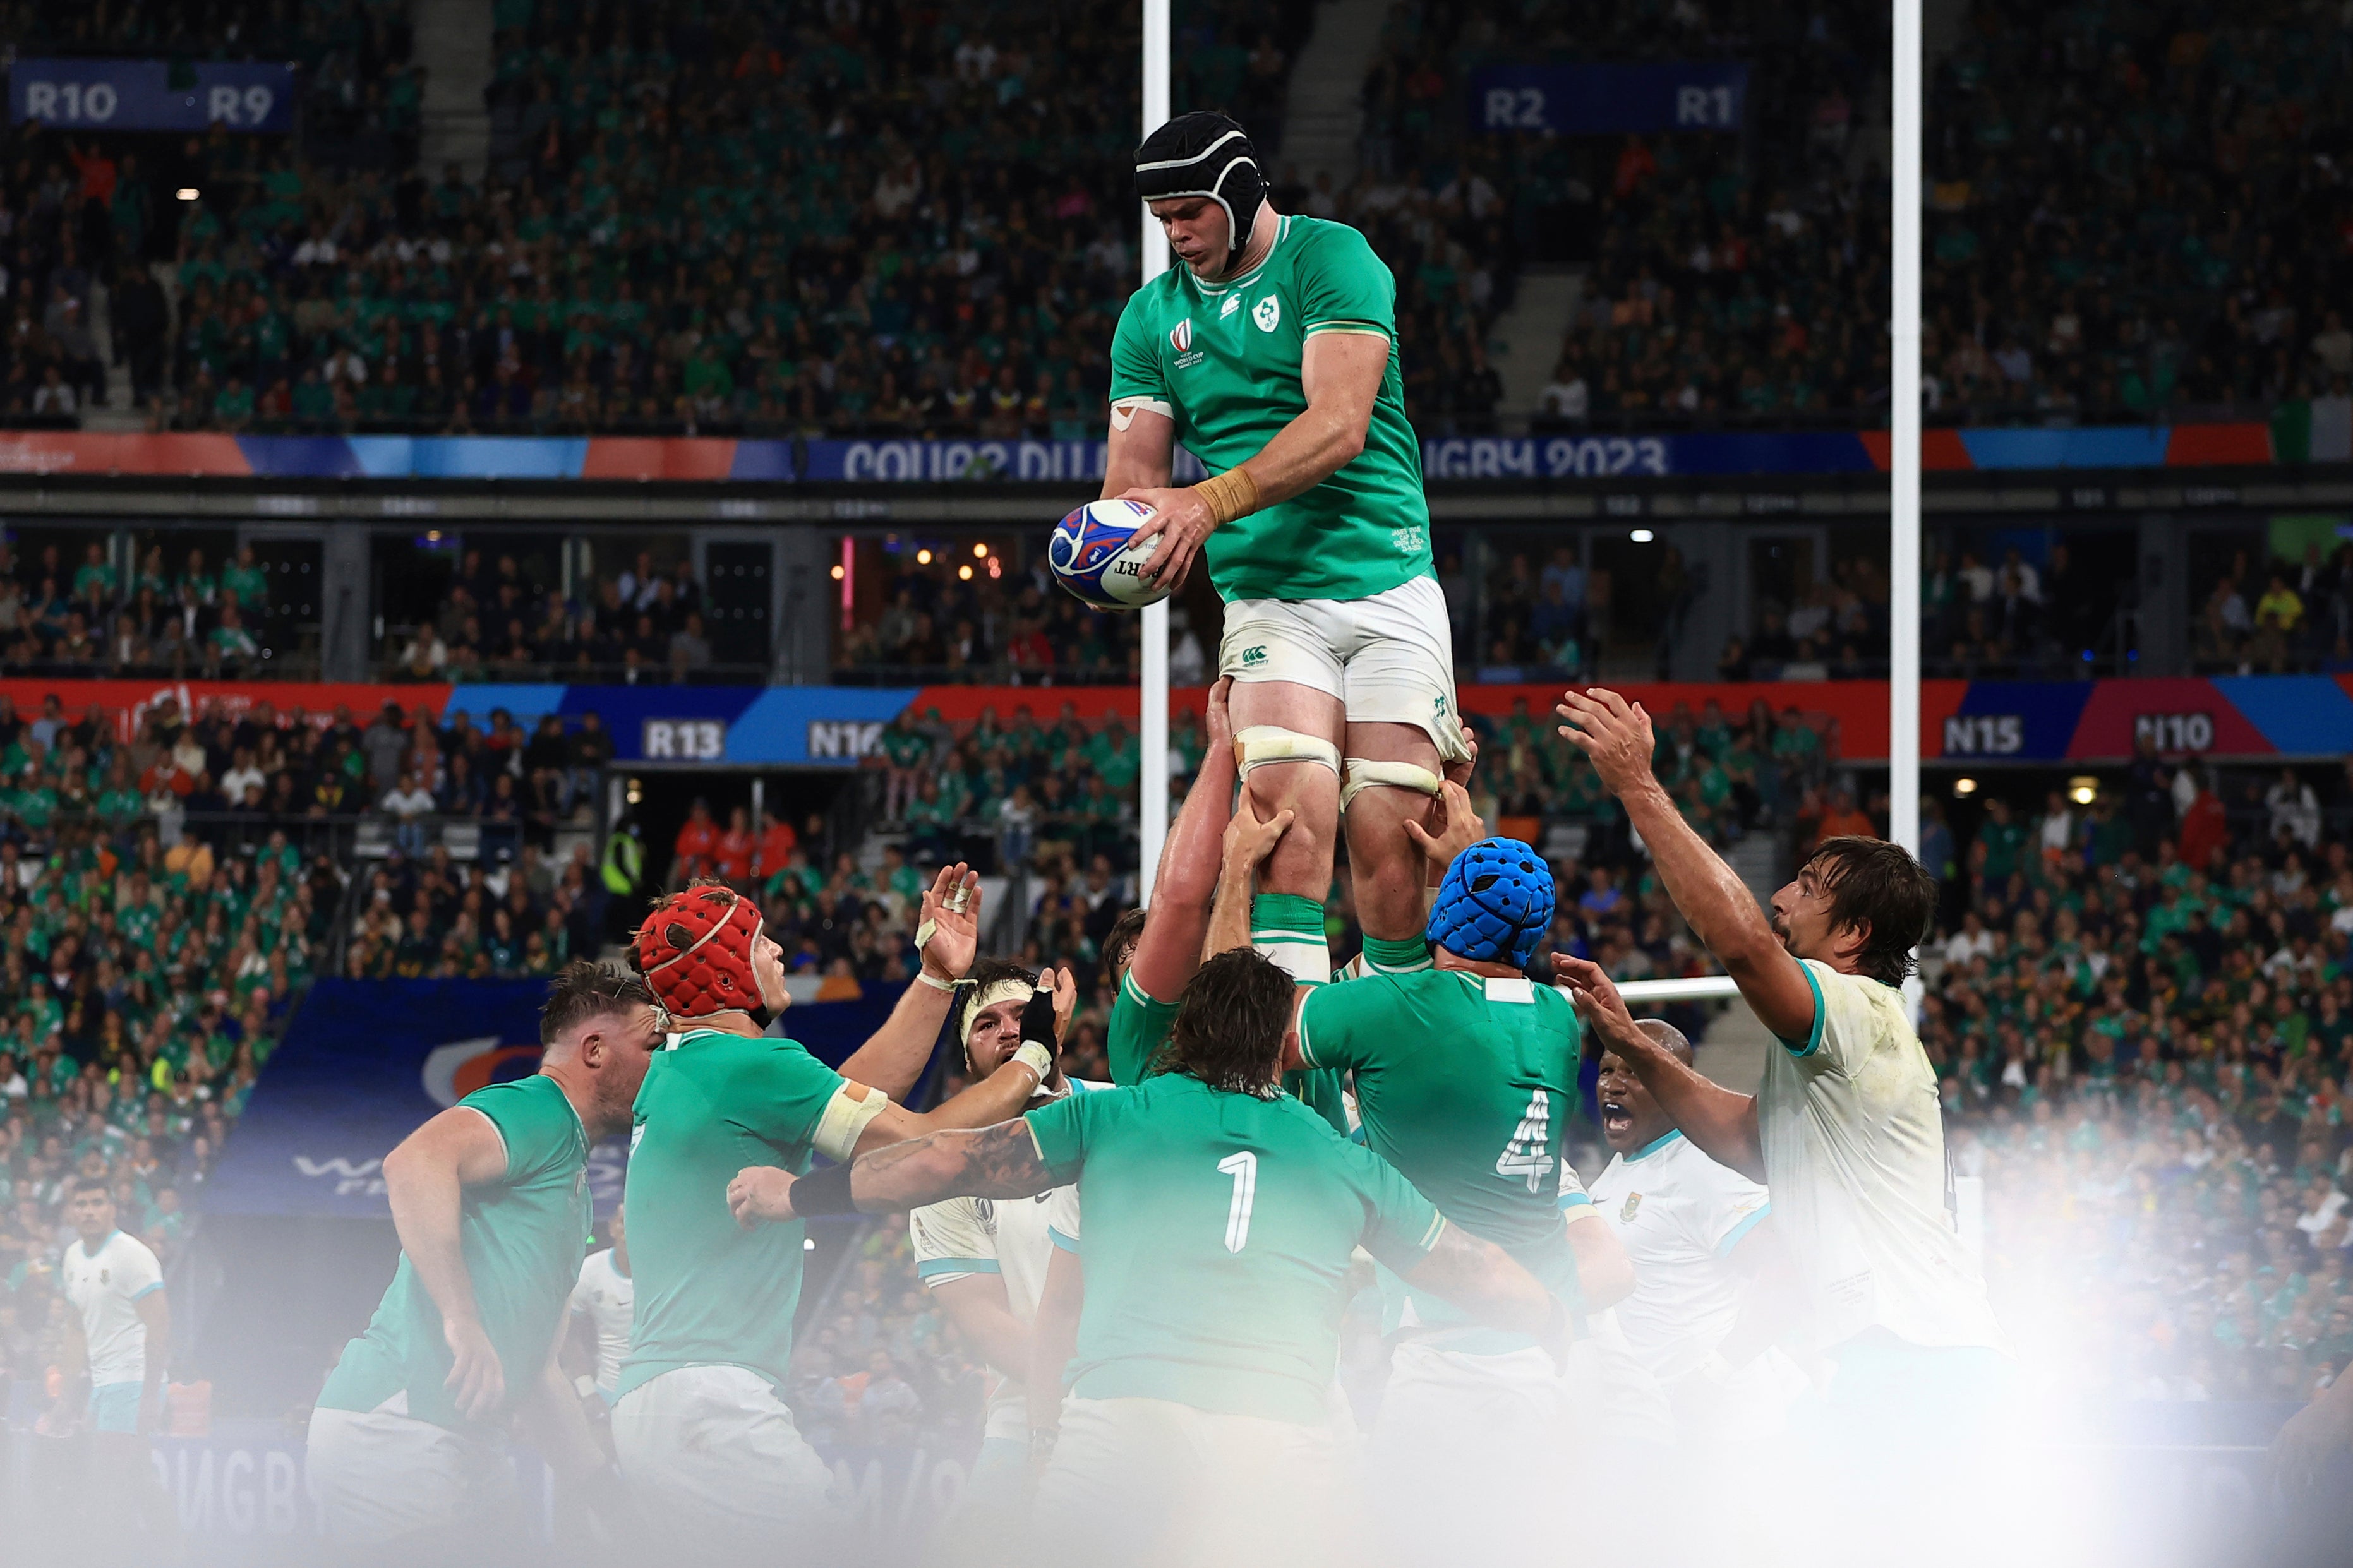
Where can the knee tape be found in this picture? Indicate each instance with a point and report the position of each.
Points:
(1261, 744)
(1363, 773)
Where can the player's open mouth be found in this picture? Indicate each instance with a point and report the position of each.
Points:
(1615, 1118)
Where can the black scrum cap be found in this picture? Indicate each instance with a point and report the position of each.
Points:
(1204, 154)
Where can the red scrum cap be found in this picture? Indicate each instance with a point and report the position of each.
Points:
(695, 951)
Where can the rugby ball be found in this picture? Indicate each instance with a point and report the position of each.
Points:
(1091, 555)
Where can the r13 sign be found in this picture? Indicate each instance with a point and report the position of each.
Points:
(685, 740)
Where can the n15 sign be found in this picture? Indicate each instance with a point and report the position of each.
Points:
(140, 95)
(1600, 101)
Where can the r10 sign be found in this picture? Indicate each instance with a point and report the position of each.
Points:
(140, 95)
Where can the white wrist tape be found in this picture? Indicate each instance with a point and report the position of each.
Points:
(1035, 1057)
(935, 982)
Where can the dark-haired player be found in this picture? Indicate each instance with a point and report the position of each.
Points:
(1270, 354)
(490, 1202)
(714, 1461)
(985, 1260)
(1845, 1130)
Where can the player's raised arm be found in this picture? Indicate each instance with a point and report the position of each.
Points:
(425, 1179)
(1721, 1123)
(1615, 735)
(947, 935)
(1170, 948)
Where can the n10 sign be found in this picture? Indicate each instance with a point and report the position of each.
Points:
(140, 95)
(1600, 100)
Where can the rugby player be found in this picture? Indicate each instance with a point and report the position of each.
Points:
(984, 1262)
(490, 1201)
(604, 1301)
(1221, 1218)
(119, 1338)
(1270, 354)
(714, 1461)
(1846, 1130)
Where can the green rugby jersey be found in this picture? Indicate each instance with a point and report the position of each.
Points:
(709, 1292)
(1223, 360)
(1139, 1028)
(1465, 1085)
(522, 1237)
(1218, 1229)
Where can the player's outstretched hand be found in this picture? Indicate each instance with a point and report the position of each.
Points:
(1598, 1002)
(1612, 731)
(948, 927)
(1248, 841)
(1217, 724)
(1181, 521)
(760, 1193)
(475, 1375)
(1064, 983)
(1459, 828)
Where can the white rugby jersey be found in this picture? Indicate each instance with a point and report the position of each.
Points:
(1679, 1214)
(609, 1300)
(1854, 1152)
(106, 1287)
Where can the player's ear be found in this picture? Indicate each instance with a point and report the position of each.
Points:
(592, 1051)
(1291, 1059)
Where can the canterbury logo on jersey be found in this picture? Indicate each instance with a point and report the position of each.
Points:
(1254, 655)
(1180, 336)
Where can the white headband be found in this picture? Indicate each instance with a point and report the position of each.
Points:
(990, 995)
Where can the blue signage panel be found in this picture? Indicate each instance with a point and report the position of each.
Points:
(366, 1062)
(1602, 101)
(140, 95)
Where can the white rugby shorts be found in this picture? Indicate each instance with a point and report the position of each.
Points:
(1149, 1483)
(717, 1470)
(381, 1474)
(1389, 657)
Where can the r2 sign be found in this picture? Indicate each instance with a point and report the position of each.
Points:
(2175, 731)
(1516, 108)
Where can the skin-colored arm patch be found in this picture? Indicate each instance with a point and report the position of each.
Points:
(853, 1105)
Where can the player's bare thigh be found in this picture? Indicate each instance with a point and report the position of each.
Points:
(1310, 790)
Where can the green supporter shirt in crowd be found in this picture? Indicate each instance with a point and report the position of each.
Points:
(708, 1292)
(1139, 1028)
(1218, 1230)
(1223, 361)
(523, 1236)
(1465, 1084)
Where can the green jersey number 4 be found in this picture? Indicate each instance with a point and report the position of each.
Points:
(1243, 1169)
(1524, 1155)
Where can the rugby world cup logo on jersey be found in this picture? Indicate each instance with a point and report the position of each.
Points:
(1180, 338)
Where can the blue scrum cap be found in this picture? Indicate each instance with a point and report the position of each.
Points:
(1495, 903)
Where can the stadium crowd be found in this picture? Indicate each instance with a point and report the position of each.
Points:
(179, 614)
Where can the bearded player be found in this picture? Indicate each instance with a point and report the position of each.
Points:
(1270, 355)
(714, 1460)
(985, 1260)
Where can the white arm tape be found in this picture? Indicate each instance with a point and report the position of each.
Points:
(845, 1119)
(1124, 412)
(1363, 773)
(1260, 745)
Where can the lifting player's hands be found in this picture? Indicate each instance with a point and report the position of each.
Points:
(1614, 733)
(1459, 769)
(760, 1193)
(1459, 828)
(1181, 519)
(1249, 840)
(1217, 724)
(475, 1377)
(948, 927)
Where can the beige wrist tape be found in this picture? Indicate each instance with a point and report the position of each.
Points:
(1230, 495)
(1035, 1057)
